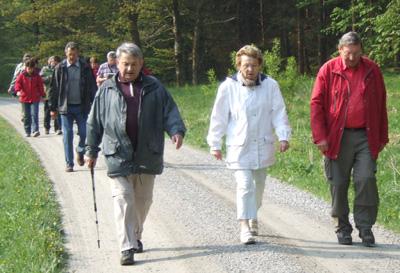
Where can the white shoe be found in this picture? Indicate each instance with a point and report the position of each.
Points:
(253, 223)
(246, 237)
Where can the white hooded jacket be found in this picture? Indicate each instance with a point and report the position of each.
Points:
(248, 116)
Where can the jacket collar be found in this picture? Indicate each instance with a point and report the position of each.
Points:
(261, 77)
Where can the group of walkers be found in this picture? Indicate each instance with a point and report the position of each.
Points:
(128, 111)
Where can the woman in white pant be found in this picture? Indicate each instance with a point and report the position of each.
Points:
(250, 111)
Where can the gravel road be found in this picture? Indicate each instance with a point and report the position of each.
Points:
(191, 226)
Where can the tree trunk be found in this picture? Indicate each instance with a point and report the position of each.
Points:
(134, 30)
(262, 23)
(177, 43)
(300, 40)
(196, 42)
(36, 31)
(322, 50)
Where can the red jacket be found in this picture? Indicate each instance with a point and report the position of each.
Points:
(329, 106)
(31, 87)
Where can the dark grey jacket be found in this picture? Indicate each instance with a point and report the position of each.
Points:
(57, 94)
(158, 113)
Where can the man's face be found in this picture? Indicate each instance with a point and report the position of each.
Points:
(249, 68)
(111, 61)
(129, 67)
(72, 55)
(350, 55)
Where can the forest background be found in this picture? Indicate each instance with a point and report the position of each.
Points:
(183, 39)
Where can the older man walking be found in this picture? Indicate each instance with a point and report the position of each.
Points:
(129, 116)
(350, 127)
(71, 94)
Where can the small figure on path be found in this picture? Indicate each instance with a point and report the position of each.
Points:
(248, 109)
(129, 116)
(47, 74)
(350, 127)
(29, 88)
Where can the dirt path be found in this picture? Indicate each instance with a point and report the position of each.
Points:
(191, 226)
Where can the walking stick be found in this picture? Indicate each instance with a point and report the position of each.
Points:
(95, 206)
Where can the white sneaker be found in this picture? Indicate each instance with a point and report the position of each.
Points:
(253, 223)
(246, 237)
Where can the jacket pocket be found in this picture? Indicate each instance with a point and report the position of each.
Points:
(110, 147)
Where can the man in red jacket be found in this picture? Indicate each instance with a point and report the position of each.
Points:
(349, 126)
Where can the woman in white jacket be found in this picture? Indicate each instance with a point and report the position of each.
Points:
(248, 109)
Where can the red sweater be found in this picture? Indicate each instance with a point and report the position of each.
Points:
(30, 87)
(329, 104)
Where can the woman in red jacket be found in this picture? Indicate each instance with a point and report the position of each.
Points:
(29, 89)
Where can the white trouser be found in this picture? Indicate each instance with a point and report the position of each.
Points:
(132, 196)
(250, 186)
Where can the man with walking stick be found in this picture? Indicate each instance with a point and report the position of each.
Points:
(129, 116)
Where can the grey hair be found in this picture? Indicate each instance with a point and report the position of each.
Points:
(131, 49)
(111, 54)
(71, 45)
(350, 38)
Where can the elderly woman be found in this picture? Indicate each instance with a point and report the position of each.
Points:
(248, 109)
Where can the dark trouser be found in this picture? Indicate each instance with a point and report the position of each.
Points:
(354, 157)
(47, 118)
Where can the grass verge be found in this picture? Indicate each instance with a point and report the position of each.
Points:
(31, 237)
(302, 165)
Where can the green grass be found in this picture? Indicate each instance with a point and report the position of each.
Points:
(302, 165)
(31, 237)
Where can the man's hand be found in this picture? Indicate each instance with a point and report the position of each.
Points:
(91, 162)
(177, 140)
(53, 114)
(283, 146)
(323, 146)
(217, 154)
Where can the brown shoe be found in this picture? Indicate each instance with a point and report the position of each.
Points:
(79, 159)
(69, 169)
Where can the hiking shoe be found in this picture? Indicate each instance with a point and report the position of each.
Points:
(344, 237)
(140, 247)
(367, 237)
(58, 132)
(253, 223)
(79, 159)
(246, 237)
(46, 131)
(27, 135)
(127, 257)
(69, 169)
(36, 134)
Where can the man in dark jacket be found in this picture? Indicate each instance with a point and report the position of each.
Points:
(129, 116)
(350, 127)
(71, 94)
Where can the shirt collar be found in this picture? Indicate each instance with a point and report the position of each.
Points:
(76, 63)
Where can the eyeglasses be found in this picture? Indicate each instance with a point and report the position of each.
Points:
(348, 54)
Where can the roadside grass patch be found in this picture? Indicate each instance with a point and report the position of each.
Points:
(31, 238)
(302, 165)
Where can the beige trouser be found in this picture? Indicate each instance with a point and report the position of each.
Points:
(132, 197)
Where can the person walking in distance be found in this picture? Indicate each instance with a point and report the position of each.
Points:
(350, 127)
(71, 94)
(47, 74)
(248, 109)
(107, 69)
(129, 116)
(29, 89)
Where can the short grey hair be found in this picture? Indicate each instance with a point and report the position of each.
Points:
(350, 38)
(131, 49)
(111, 55)
(71, 45)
